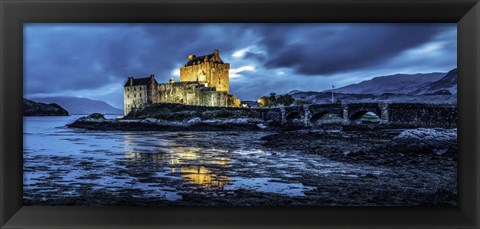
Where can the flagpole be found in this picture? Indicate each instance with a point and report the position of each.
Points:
(332, 92)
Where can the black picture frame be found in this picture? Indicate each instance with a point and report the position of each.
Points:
(13, 13)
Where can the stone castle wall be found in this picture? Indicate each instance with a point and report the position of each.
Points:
(190, 94)
(134, 97)
(215, 74)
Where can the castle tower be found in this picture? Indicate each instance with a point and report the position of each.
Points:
(208, 69)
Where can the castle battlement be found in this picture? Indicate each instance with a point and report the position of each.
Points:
(207, 68)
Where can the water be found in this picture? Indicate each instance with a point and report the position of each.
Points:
(61, 162)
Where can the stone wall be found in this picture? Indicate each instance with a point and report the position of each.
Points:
(215, 74)
(427, 115)
(407, 114)
(190, 94)
(134, 97)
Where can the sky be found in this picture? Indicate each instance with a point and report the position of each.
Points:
(94, 60)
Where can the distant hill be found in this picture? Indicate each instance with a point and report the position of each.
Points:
(422, 87)
(32, 108)
(325, 97)
(77, 105)
(446, 83)
(398, 83)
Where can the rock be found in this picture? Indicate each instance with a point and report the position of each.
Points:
(194, 120)
(261, 126)
(439, 151)
(150, 120)
(438, 141)
(96, 116)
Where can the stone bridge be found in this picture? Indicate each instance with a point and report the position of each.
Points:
(413, 114)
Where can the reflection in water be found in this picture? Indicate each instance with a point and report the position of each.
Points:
(179, 159)
(203, 177)
(61, 162)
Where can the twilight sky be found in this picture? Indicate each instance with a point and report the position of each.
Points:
(94, 60)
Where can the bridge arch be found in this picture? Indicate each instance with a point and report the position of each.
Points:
(292, 116)
(358, 115)
(320, 115)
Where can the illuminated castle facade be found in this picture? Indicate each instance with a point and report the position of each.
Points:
(204, 81)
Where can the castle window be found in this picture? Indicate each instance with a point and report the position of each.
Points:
(135, 95)
(128, 96)
(140, 95)
(134, 88)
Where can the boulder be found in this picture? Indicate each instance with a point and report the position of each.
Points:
(426, 140)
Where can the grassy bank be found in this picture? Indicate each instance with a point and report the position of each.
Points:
(178, 112)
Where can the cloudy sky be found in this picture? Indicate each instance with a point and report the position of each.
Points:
(94, 60)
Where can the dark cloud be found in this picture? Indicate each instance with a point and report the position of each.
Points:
(258, 57)
(90, 56)
(324, 51)
(94, 60)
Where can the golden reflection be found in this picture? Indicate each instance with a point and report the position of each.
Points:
(181, 154)
(204, 177)
(182, 160)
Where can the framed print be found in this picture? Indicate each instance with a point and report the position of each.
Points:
(239, 114)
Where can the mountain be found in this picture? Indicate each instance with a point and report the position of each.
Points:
(325, 97)
(77, 105)
(447, 84)
(398, 83)
(31, 108)
(409, 88)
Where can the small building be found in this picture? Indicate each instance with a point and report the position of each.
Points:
(204, 81)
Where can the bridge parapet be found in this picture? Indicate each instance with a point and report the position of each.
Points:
(427, 115)
(413, 114)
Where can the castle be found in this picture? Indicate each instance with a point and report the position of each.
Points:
(204, 81)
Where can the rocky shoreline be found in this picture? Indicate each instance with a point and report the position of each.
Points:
(422, 163)
(99, 122)
(410, 153)
(390, 147)
(368, 144)
(417, 168)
